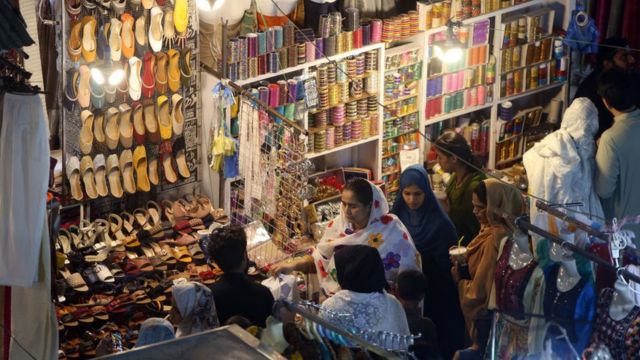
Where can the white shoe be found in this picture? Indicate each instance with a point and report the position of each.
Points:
(155, 29)
(115, 42)
(135, 81)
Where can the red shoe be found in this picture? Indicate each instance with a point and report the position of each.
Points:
(148, 78)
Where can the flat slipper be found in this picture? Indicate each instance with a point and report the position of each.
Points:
(185, 67)
(166, 159)
(128, 37)
(155, 29)
(126, 166)
(114, 176)
(89, 43)
(177, 114)
(74, 46)
(86, 132)
(139, 133)
(126, 126)
(98, 127)
(182, 254)
(141, 35)
(162, 62)
(151, 121)
(104, 274)
(84, 86)
(141, 166)
(100, 175)
(148, 77)
(73, 175)
(112, 128)
(75, 280)
(174, 70)
(88, 177)
(179, 153)
(135, 79)
(115, 40)
(168, 28)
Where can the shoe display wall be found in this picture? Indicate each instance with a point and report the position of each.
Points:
(130, 96)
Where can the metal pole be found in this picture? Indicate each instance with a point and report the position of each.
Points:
(573, 221)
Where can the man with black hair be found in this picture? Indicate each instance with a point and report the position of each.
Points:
(411, 286)
(613, 53)
(617, 167)
(235, 294)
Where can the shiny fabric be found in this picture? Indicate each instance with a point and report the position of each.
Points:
(615, 334)
(197, 308)
(384, 231)
(511, 283)
(574, 310)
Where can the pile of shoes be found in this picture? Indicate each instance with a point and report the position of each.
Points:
(116, 272)
(127, 86)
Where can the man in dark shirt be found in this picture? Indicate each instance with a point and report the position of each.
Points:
(612, 53)
(410, 287)
(235, 293)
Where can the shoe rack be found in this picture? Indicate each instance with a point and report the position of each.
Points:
(109, 127)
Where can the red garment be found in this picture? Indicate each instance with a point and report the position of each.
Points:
(511, 283)
(606, 278)
(619, 336)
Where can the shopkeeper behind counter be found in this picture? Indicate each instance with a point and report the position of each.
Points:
(455, 157)
(364, 219)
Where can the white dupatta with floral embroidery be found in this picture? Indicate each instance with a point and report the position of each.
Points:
(384, 231)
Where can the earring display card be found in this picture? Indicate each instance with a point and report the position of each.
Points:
(130, 99)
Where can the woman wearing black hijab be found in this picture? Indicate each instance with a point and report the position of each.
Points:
(360, 273)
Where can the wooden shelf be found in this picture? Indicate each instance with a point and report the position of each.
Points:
(342, 147)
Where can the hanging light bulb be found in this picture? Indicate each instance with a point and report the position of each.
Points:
(97, 75)
(116, 77)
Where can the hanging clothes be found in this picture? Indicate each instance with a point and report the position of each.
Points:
(24, 160)
(380, 9)
(574, 310)
(616, 334)
(560, 168)
(582, 33)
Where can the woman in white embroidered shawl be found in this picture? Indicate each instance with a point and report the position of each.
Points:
(364, 220)
(560, 168)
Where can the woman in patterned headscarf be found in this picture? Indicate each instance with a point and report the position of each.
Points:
(193, 309)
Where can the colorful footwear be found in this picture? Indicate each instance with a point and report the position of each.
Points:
(174, 70)
(148, 78)
(126, 128)
(140, 165)
(141, 35)
(71, 90)
(112, 128)
(155, 29)
(135, 81)
(181, 15)
(168, 28)
(154, 178)
(115, 40)
(86, 132)
(89, 38)
(74, 8)
(177, 114)
(161, 73)
(163, 117)
(103, 51)
(126, 166)
(128, 38)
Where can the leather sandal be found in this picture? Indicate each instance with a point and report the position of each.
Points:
(126, 166)
(151, 121)
(74, 280)
(148, 77)
(86, 132)
(140, 165)
(182, 254)
(179, 153)
(112, 128)
(122, 89)
(88, 177)
(162, 62)
(126, 127)
(166, 158)
(141, 35)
